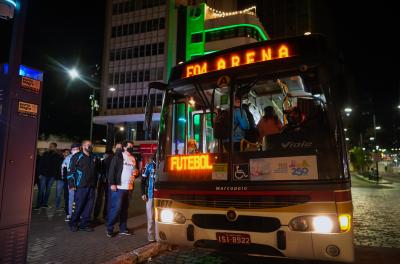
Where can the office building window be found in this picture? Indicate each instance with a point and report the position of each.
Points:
(140, 76)
(125, 30)
(115, 9)
(148, 50)
(161, 48)
(160, 73)
(110, 78)
(121, 102)
(127, 102)
(131, 27)
(123, 54)
(153, 74)
(137, 28)
(113, 32)
(139, 102)
(154, 49)
(133, 101)
(147, 75)
(162, 23)
(116, 78)
(112, 55)
(118, 54)
(141, 51)
(129, 54)
(119, 31)
(248, 32)
(109, 103)
(120, 8)
(149, 25)
(143, 27)
(134, 76)
(122, 77)
(136, 52)
(128, 77)
(115, 102)
(159, 99)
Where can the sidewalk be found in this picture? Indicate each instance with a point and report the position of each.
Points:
(51, 241)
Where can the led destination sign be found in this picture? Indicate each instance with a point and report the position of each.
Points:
(238, 58)
(189, 162)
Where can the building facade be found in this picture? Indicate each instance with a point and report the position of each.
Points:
(143, 41)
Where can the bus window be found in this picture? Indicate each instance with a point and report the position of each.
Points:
(179, 129)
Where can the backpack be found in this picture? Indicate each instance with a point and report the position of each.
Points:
(221, 125)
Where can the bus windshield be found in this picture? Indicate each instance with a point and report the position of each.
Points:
(281, 127)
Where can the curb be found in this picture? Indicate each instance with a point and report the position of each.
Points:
(381, 181)
(140, 255)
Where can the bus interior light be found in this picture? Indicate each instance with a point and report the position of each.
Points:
(322, 224)
(344, 222)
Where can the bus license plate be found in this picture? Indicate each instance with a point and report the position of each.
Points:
(233, 238)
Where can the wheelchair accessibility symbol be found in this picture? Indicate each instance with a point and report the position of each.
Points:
(241, 171)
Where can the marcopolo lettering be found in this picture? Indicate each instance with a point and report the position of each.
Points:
(231, 188)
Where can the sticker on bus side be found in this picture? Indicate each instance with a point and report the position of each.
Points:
(284, 168)
(220, 171)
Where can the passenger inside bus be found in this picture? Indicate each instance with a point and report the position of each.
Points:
(240, 124)
(269, 124)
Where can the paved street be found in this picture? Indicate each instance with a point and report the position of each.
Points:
(50, 240)
(376, 222)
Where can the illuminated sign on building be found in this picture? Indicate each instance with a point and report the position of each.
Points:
(238, 58)
(189, 162)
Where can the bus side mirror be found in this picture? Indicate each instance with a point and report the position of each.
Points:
(148, 112)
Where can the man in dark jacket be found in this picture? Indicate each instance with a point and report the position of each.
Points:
(49, 170)
(103, 186)
(82, 177)
(121, 177)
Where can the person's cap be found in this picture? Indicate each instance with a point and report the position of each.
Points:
(76, 145)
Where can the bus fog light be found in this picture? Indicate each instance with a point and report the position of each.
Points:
(332, 250)
(322, 224)
(167, 216)
(299, 224)
(344, 222)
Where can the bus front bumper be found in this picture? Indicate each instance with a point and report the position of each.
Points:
(280, 243)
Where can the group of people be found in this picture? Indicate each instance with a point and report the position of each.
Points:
(87, 180)
(244, 126)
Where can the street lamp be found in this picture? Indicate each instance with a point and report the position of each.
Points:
(348, 110)
(372, 138)
(378, 128)
(112, 89)
(74, 74)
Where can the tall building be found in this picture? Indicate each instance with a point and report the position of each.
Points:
(144, 39)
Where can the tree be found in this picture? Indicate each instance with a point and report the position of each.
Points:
(360, 159)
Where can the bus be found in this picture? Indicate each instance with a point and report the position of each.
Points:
(286, 194)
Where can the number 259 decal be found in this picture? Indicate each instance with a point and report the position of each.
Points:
(300, 171)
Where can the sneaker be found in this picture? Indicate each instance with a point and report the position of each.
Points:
(67, 218)
(125, 233)
(110, 234)
(152, 240)
(86, 229)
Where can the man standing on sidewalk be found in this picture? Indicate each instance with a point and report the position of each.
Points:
(148, 179)
(121, 177)
(65, 170)
(82, 176)
(49, 168)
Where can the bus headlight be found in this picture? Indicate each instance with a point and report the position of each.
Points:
(322, 224)
(169, 216)
(344, 222)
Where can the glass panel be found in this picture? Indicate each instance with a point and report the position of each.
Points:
(178, 139)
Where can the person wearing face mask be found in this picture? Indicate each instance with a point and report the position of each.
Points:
(82, 178)
(121, 177)
(68, 192)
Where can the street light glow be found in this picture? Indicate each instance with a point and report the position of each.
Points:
(398, 106)
(307, 33)
(371, 138)
(378, 127)
(73, 73)
(347, 139)
(121, 128)
(347, 114)
(112, 89)
(348, 110)
(345, 130)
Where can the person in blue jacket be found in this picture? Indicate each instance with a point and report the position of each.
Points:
(148, 178)
(240, 124)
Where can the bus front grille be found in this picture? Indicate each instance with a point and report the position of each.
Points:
(242, 223)
(241, 202)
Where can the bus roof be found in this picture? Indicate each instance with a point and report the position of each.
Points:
(258, 53)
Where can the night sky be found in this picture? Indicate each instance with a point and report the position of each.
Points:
(71, 34)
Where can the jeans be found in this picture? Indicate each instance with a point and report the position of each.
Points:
(45, 184)
(150, 219)
(71, 194)
(66, 198)
(59, 190)
(84, 199)
(118, 209)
